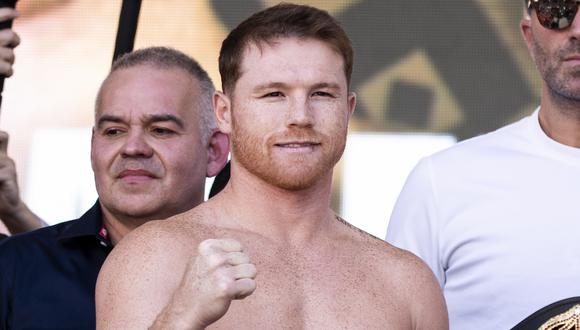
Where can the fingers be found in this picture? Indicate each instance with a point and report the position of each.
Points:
(7, 169)
(9, 193)
(237, 258)
(234, 272)
(242, 288)
(240, 281)
(6, 69)
(7, 13)
(7, 55)
(220, 273)
(9, 38)
(210, 246)
(244, 271)
(3, 143)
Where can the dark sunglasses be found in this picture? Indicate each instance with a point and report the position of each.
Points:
(555, 14)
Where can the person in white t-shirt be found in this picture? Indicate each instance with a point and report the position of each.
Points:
(497, 217)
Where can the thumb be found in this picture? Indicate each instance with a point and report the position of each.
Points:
(3, 142)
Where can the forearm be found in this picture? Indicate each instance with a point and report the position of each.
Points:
(22, 219)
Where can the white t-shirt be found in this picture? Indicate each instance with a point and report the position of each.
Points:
(497, 219)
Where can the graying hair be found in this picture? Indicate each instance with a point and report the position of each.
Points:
(168, 58)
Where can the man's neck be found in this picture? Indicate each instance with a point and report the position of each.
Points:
(560, 118)
(118, 226)
(251, 204)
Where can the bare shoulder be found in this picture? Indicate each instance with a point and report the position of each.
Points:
(407, 279)
(394, 262)
(156, 243)
(140, 274)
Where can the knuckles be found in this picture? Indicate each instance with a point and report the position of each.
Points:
(229, 275)
(205, 247)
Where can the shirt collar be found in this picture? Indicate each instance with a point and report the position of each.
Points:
(88, 225)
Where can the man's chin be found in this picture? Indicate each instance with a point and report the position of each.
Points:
(294, 180)
(138, 206)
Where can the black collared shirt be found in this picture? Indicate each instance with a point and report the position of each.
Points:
(48, 276)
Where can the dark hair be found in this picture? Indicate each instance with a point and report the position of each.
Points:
(282, 20)
(169, 58)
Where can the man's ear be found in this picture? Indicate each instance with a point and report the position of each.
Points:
(93, 151)
(351, 104)
(218, 149)
(223, 111)
(526, 29)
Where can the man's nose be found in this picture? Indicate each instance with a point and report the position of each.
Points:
(300, 113)
(136, 145)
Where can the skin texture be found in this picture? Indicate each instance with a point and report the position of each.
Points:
(297, 154)
(147, 152)
(268, 251)
(557, 57)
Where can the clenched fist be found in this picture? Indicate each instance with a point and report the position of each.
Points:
(220, 273)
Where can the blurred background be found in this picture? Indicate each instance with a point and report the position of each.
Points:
(427, 74)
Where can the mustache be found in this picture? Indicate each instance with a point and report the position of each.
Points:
(297, 135)
(573, 47)
(148, 166)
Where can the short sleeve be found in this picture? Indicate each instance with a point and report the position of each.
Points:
(414, 223)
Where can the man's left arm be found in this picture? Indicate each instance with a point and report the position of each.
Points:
(428, 309)
(14, 213)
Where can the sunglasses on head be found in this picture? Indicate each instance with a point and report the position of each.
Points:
(554, 14)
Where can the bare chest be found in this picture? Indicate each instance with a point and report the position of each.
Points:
(315, 290)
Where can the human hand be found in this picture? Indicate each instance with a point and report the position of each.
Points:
(10, 202)
(8, 41)
(14, 212)
(220, 273)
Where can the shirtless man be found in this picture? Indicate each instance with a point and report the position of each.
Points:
(286, 106)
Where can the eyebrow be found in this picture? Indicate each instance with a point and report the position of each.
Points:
(269, 85)
(326, 85)
(108, 118)
(148, 120)
(282, 85)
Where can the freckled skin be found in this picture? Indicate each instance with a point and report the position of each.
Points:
(314, 271)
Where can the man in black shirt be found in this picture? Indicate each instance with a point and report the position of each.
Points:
(154, 141)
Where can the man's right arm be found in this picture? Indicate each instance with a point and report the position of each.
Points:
(144, 283)
(414, 223)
